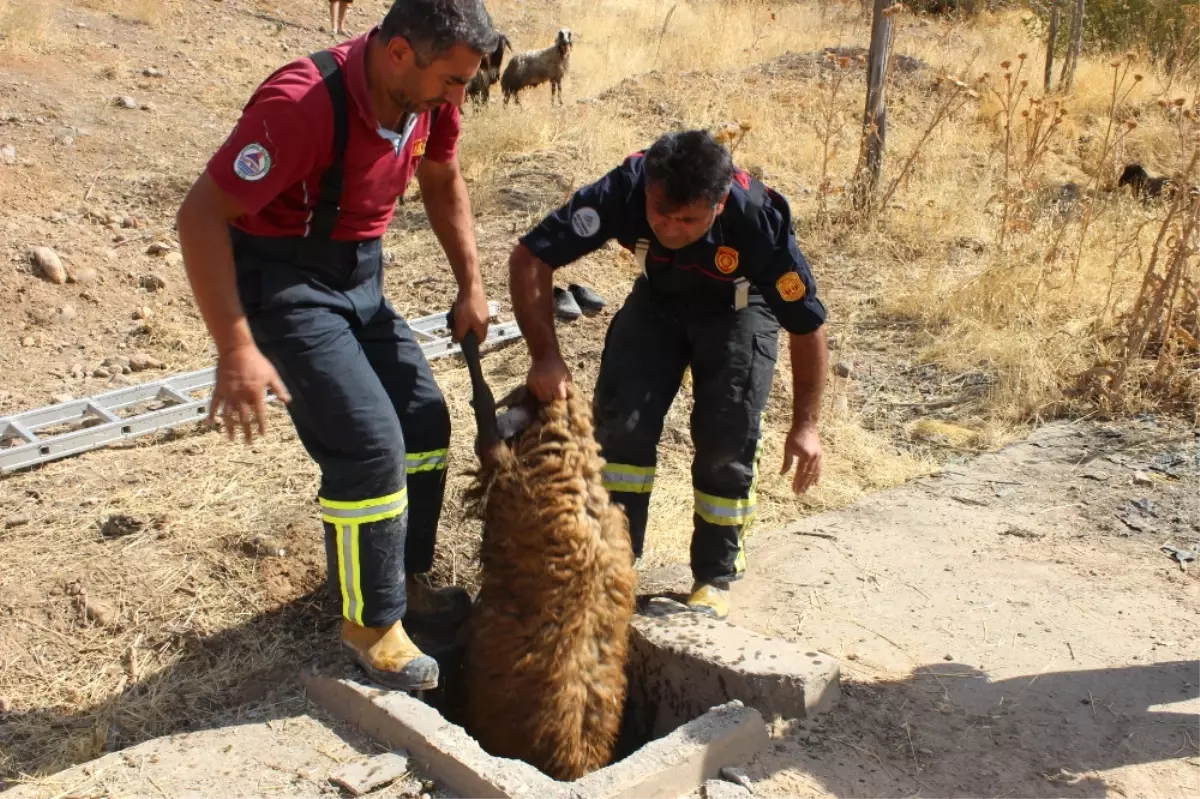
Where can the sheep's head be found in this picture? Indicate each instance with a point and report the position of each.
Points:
(563, 41)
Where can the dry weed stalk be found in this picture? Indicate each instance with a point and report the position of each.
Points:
(1121, 69)
(1163, 323)
(829, 122)
(953, 102)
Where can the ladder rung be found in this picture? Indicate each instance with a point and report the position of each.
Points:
(103, 413)
(14, 430)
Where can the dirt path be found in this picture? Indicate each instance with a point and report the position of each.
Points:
(1002, 631)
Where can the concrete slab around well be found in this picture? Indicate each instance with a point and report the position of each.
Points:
(667, 767)
(688, 662)
(700, 692)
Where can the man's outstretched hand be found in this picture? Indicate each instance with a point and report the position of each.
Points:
(803, 445)
(243, 377)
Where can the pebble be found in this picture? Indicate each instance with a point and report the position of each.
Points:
(125, 101)
(100, 612)
(720, 789)
(4, 705)
(76, 371)
(152, 283)
(66, 141)
(843, 369)
(947, 657)
(154, 72)
(28, 341)
(148, 107)
(84, 274)
(159, 248)
(1142, 479)
(173, 258)
(813, 738)
(145, 312)
(141, 362)
(101, 373)
(17, 520)
(8, 154)
(66, 313)
(832, 342)
(47, 263)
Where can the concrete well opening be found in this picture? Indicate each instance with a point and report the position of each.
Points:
(700, 692)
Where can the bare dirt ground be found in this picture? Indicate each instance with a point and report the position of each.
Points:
(1005, 628)
(173, 584)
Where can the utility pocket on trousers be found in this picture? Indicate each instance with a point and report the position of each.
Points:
(765, 351)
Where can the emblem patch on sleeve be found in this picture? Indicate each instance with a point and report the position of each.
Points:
(419, 147)
(791, 287)
(252, 163)
(727, 259)
(585, 222)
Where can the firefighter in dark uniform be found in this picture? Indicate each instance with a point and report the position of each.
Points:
(281, 238)
(721, 273)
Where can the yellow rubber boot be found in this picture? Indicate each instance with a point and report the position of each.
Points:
(441, 606)
(390, 657)
(710, 599)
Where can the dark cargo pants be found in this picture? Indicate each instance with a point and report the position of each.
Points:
(732, 354)
(365, 406)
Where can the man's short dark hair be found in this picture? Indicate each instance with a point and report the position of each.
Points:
(690, 166)
(432, 27)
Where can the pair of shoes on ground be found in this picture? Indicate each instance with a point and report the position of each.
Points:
(571, 302)
(388, 655)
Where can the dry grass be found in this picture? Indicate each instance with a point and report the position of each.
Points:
(27, 25)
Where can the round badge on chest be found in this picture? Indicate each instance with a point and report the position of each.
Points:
(727, 259)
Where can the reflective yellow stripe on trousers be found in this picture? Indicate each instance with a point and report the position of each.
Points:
(347, 517)
(630, 479)
(425, 461)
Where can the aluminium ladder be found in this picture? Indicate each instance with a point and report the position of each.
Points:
(95, 422)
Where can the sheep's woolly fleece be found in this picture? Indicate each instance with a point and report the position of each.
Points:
(545, 668)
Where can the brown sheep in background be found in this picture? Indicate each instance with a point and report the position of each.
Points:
(545, 664)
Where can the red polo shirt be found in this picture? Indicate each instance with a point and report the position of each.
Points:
(273, 159)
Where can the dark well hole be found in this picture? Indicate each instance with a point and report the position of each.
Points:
(646, 717)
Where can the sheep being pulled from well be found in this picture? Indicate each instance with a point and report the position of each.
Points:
(480, 85)
(548, 644)
(535, 67)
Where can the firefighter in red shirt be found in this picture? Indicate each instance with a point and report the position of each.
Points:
(281, 239)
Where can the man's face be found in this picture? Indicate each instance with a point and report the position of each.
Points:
(417, 89)
(678, 226)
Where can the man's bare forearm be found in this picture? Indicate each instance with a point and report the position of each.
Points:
(810, 363)
(531, 287)
(208, 260)
(444, 193)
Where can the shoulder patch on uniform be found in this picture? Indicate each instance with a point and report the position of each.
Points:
(585, 222)
(252, 163)
(727, 259)
(419, 146)
(791, 287)
(742, 177)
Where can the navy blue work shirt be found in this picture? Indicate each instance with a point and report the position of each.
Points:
(762, 249)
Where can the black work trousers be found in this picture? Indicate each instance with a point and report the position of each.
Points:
(651, 342)
(365, 406)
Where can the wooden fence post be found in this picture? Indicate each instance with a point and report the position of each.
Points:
(874, 138)
(1051, 40)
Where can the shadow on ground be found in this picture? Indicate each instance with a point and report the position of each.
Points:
(1045, 734)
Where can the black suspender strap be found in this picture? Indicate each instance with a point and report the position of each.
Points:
(325, 211)
(757, 195)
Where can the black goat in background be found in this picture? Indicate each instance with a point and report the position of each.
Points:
(479, 88)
